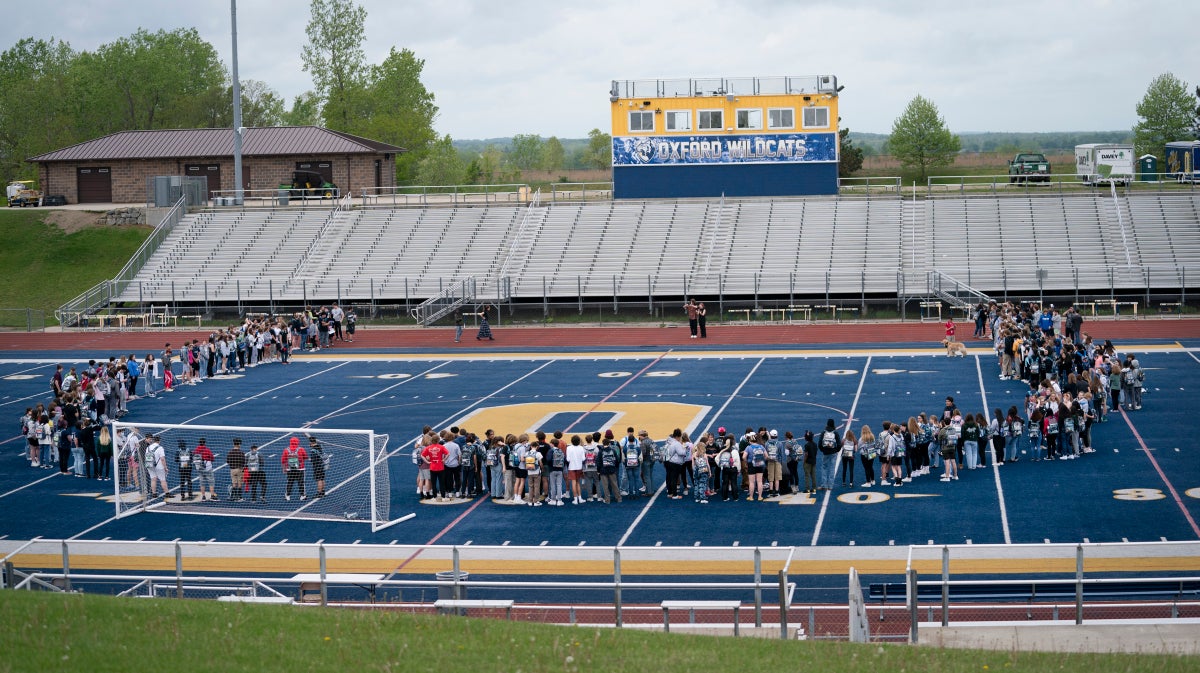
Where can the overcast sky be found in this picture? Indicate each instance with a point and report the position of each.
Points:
(526, 66)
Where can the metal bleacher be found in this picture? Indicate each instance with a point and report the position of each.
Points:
(819, 245)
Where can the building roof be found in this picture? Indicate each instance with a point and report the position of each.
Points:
(184, 143)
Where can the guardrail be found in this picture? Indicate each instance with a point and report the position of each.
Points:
(1056, 184)
(443, 195)
(101, 294)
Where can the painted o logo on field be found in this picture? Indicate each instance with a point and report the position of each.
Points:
(662, 373)
(393, 376)
(614, 375)
(841, 372)
(863, 498)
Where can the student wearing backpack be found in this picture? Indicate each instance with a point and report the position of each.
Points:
(516, 460)
(729, 461)
(183, 461)
(830, 446)
(556, 464)
(866, 454)
(435, 455)
(756, 465)
(532, 462)
(775, 458)
(575, 458)
(609, 462)
(631, 461)
(701, 469)
(589, 485)
(676, 455)
(648, 457)
(849, 449)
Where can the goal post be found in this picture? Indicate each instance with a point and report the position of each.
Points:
(216, 470)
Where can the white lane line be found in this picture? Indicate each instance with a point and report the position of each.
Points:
(732, 396)
(408, 443)
(995, 467)
(53, 474)
(837, 464)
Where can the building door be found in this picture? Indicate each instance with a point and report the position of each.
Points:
(210, 171)
(95, 185)
(378, 173)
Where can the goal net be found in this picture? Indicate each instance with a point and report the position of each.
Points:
(295, 473)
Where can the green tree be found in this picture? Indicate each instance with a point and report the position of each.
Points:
(441, 165)
(398, 109)
(553, 154)
(1167, 112)
(920, 139)
(489, 165)
(850, 160)
(334, 57)
(525, 152)
(599, 150)
(305, 111)
(36, 113)
(1196, 116)
(148, 81)
(261, 105)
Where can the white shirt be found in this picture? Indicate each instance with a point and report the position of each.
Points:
(574, 457)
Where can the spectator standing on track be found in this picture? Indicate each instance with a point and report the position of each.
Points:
(292, 460)
(458, 326)
(203, 459)
(351, 324)
(336, 317)
(950, 329)
(831, 445)
(485, 329)
(693, 314)
(702, 320)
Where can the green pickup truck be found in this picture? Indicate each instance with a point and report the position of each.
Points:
(1029, 167)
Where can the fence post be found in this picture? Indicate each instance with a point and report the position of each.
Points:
(324, 587)
(783, 605)
(945, 586)
(757, 587)
(913, 595)
(1079, 584)
(178, 570)
(617, 585)
(66, 554)
(457, 589)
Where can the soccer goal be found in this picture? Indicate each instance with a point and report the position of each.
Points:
(297, 473)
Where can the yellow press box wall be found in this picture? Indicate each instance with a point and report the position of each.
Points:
(725, 136)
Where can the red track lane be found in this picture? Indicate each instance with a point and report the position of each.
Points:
(108, 342)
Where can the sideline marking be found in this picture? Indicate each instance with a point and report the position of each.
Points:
(1170, 487)
(53, 474)
(995, 468)
(732, 396)
(837, 465)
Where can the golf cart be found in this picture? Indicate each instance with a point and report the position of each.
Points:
(21, 193)
(310, 184)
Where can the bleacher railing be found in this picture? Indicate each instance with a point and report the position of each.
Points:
(446, 195)
(457, 294)
(1056, 184)
(953, 291)
(100, 295)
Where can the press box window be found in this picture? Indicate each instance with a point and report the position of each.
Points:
(816, 117)
(679, 120)
(781, 118)
(710, 120)
(749, 119)
(641, 121)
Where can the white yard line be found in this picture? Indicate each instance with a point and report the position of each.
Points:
(995, 466)
(837, 464)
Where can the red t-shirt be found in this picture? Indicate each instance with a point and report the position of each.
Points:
(436, 455)
(949, 328)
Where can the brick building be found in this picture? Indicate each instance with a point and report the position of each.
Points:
(116, 167)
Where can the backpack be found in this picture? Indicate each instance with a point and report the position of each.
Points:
(608, 457)
(1129, 376)
(514, 457)
(185, 458)
(725, 460)
(589, 459)
(828, 442)
(632, 454)
(531, 460)
(293, 460)
(758, 456)
(490, 456)
(700, 468)
(557, 458)
(773, 450)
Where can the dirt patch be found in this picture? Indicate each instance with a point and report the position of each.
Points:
(72, 221)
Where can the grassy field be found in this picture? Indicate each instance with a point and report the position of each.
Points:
(47, 632)
(42, 266)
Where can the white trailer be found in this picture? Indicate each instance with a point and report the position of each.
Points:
(1102, 163)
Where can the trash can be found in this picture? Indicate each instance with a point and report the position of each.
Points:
(446, 591)
(282, 196)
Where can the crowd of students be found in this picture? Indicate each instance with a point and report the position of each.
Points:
(70, 431)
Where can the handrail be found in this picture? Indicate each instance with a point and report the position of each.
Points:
(102, 293)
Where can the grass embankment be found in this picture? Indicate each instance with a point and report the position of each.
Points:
(42, 266)
(43, 632)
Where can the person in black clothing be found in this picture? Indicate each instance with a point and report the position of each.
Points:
(87, 440)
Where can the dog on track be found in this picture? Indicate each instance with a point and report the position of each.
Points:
(954, 348)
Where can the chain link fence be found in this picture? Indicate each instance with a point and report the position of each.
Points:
(22, 320)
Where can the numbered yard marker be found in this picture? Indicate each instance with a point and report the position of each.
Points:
(393, 376)
(841, 372)
(798, 499)
(1193, 492)
(614, 375)
(662, 373)
(1138, 494)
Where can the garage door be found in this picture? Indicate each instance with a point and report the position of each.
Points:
(210, 171)
(95, 185)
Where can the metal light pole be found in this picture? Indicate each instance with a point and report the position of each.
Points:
(237, 111)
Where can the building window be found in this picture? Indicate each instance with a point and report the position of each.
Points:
(816, 117)
(749, 120)
(679, 120)
(781, 118)
(641, 121)
(710, 120)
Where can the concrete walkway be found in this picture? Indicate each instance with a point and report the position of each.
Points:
(1181, 636)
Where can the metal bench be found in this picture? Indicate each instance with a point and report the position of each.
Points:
(454, 605)
(692, 606)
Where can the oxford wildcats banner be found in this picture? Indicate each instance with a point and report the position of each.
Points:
(745, 149)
